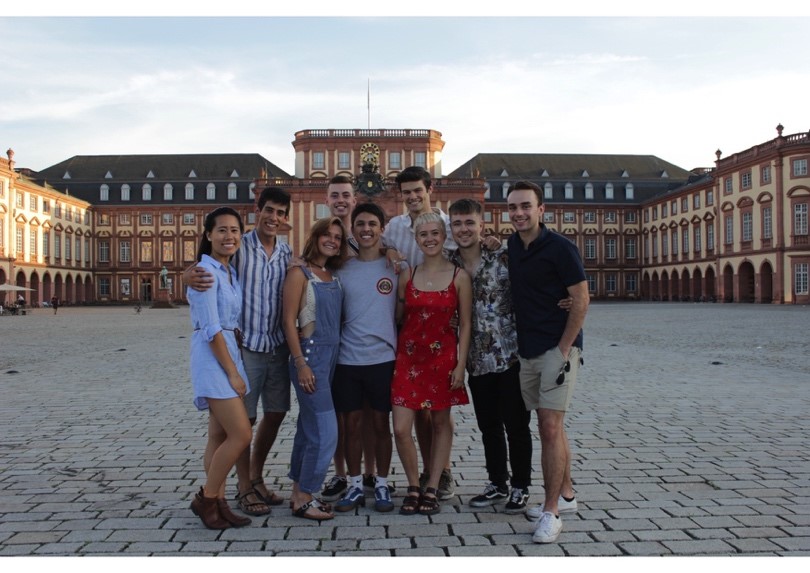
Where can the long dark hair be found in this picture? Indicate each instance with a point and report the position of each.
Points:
(210, 221)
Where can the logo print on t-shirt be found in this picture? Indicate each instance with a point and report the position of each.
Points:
(385, 286)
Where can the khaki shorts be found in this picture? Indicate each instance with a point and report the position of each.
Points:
(539, 375)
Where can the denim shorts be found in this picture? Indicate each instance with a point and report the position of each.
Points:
(269, 378)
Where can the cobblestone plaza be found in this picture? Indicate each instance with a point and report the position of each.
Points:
(688, 429)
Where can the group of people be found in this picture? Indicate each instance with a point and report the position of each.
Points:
(377, 319)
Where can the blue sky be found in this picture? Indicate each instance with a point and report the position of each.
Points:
(675, 87)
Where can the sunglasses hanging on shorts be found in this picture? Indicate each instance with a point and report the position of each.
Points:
(565, 368)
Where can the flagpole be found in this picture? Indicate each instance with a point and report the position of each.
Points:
(368, 102)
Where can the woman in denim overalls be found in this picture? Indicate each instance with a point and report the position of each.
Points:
(314, 339)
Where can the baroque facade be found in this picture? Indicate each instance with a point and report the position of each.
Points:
(46, 240)
(647, 229)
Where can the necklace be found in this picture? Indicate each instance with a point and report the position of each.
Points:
(323, 268)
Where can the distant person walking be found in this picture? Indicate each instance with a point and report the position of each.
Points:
(55, 304)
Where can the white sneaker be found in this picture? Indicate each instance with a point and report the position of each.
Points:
(548, 528)
(563, 506)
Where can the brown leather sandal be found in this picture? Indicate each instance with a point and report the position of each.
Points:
(410, 505)
(429, 505)
(272, 499)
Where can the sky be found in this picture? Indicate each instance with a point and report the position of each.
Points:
(675, 86)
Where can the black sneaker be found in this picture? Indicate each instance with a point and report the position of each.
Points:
(492, 495)
(370, 484)
(517, 501)
(334, 488)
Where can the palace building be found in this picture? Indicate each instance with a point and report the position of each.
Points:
(646, 229)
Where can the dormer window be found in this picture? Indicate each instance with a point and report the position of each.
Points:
(609, 191)
(124, 192)
(192, 174)
(589, 190)
(625, 174)
(504, 173)
(486, 190)
(629, 191)
(108, 175)
(150, 175)
(585, 173)
(146, 192)
(569, 191)
(544, 173)
(167, 192)
(664, 174)
(547, 191)
(234, 174)
(232, 191)
(66, 175)
(505, 189)
(189, 191)
(210, 192)
(104, 193)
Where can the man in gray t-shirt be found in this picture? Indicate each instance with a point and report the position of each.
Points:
(365, 363)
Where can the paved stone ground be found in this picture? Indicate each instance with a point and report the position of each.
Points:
(689, 434)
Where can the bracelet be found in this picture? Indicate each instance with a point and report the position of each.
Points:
(297, 357)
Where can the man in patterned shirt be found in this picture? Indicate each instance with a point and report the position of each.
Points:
(493, 363)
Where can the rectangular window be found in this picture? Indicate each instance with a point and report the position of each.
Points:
(69, 213)
(78, 250)
(46, 206)
(767, 224)
(655, 246)
(188, 218)
(87, 217)
(630, 247)
(664, 243)
(729, 222)
(747, 226)
(210, 193)
(318, 160)
(696, 201)
(167, 251)
(124, 219)
(57, 246)
(20, 199)
(674, 207)
(664, 210)
(146, 190)
(610, 282)
(32, 202)
(46, 243)
(799, 167)
(395, 160)
(232, 191)
(646, 215)
(548, 217)
(146, 252)
(590, 217)
(104, 219)
(104, 251)
(488, 216)
(710, 236)
(68, 249)
(189, 192)
(590, 249)
(125, 193)
(697, 239)
(252, 218)
(104, 286)
(684, 204)
(800, 219)
(685, 246)
(168, 192)
(189, 250)
(344, 161)
(568, 217)
(765, 174)
(646, 248)
(674, 238)
(800, 276)
(104, 193)
(591, 282)
(420, 159)
(86, 252)
(57, 211)
(146, 218)
(728, 186)
(321, 210)
(710, 198)
(630, 282)
(505, 217)
(125, 251)
(168, 219)
(32, 243)
(610, 216)
(629, 216)
(745, 180)
(610, 249)
(125, 287)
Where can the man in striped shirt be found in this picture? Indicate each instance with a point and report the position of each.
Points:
(261, 266)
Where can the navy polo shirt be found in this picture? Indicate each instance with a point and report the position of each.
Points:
(540, 276)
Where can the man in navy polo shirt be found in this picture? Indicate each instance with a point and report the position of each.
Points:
(545, 267)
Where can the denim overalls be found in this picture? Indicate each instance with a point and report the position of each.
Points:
(316, 434)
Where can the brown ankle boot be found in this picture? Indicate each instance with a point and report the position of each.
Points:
(207, 510)
(231, 517)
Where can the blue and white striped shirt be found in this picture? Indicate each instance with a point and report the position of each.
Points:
(262, 280)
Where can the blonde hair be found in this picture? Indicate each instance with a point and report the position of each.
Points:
(426, 218)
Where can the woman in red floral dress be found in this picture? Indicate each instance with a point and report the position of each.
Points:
(431, 358)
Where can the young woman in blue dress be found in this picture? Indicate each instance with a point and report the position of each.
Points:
(217, 373)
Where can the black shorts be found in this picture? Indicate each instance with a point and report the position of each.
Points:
(355, 385)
